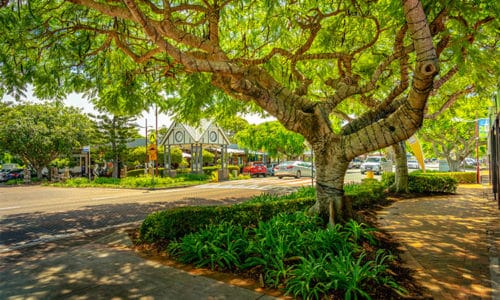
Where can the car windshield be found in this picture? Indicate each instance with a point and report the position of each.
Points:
(373, 159)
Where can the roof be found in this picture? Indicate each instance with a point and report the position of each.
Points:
(208, 133)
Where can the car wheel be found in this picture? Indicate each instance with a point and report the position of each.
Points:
(265, 175)
(280, 177)
(362, 173)
(298, 174)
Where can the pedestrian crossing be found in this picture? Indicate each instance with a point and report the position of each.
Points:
(264, 184)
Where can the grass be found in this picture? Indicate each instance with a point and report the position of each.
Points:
(136, 182)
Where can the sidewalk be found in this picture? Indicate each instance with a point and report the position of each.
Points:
(452, 241)
(103, 268)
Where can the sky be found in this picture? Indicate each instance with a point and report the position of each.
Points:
(76, 100)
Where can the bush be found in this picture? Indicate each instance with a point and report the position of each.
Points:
(430, 182)
(370, 192)
(293, 251)
(177, 222)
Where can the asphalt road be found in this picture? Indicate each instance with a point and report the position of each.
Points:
(37, 214)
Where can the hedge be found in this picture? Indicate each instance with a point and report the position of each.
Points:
(431, 182)
(179, 221)
(206, 170)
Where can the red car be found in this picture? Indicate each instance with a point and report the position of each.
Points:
(255, 169)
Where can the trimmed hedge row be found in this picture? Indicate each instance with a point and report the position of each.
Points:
(426, 182)
(463, 177)
(177, 222)
(206, 170)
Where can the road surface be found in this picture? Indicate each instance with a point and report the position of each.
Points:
(36, 214)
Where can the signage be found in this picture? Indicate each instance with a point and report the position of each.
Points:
(484, 128)
(152, 152)
(86, 149)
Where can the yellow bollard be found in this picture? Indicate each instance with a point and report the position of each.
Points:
(369, 174)
(215, 176)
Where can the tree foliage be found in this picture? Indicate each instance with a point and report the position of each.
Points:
(273, 138)
(39, 133)
(452, 135)
(366, 67)
(113, 134)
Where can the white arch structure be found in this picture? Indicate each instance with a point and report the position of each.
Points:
(207, 135)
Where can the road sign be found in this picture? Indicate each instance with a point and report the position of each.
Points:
(86, 149)
(152, 152)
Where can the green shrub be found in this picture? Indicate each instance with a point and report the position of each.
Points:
(135, 173)
(209, 170)
(366, 194)
(426, 182)
(292, 251)
(220, 246)
(464, 177)
(177, 222)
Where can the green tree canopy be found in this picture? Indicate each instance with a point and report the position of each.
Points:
(39, 133)
(368, 65)
(272, 138)
(452, 134)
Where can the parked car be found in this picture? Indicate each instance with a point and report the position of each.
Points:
(355, 163)
(469, 162)
(255, 169)
(11, 174)
(412, 164)
(295, 169)
(3, 174)
(373, 163)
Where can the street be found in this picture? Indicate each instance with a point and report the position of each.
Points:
(37, 214)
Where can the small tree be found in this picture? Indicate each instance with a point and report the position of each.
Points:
(113, 135)
(39, 133)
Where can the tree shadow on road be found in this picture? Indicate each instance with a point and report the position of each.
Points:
(86, 266)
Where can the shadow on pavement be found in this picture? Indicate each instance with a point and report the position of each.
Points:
(100, 268)
(28, 227)
(450, 238)
(97, 264)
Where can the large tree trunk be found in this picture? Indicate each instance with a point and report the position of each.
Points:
(401, 177)
(331, 205)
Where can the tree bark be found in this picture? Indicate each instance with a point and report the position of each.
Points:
(400, 184)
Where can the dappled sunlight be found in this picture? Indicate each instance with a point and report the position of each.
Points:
(447, 236)
(84, 273)
(38, 261)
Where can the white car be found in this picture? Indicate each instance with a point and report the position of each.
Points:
(295, 169)
(373, 163)
(413, 164)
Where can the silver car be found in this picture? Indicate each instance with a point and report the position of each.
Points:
(374, 164)
(295, 169)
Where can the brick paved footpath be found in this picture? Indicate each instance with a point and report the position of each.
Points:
(452, 241)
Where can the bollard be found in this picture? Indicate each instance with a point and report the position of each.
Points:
(369, 174)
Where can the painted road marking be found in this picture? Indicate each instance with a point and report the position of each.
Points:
(9, 207)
